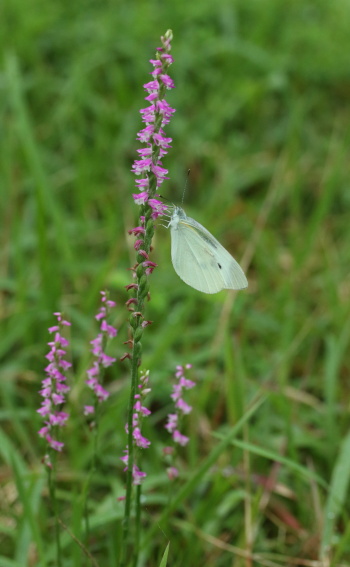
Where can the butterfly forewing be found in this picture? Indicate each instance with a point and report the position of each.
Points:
(192, 261)
(200, 260)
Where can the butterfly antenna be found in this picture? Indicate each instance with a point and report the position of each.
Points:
(186, 183)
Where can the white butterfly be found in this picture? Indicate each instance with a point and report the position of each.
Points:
(199, 259)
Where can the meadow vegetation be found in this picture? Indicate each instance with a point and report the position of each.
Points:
(262, 121)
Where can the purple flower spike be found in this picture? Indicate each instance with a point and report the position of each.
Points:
(181, 407)
(102, 360)
(54, 389)
(155, 117)
(139, 412)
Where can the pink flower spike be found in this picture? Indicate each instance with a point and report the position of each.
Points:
(54, 386)
(149, 168)
(139, 412)
(102, 360)
(182, 408)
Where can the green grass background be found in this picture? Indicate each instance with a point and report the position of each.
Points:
(262, 120)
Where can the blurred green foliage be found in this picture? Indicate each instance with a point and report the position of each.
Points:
(262, 120)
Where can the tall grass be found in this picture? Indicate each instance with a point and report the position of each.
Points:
(262, 122)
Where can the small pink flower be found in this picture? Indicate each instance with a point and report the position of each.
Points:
(132, 286)
(167, 81)
(137, 230)
(172, 422)
(138, 475)
(168, 450)
(140, 441)
(88, 410)
(111, 331)
(101, 393)
(172, 473)
(183, 406)
(56, 445)
(179, 438)
(141, 198)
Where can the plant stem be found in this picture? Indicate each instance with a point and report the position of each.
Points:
(52, 476)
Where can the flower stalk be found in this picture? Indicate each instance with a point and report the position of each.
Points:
(95, 375)
(174, 420)
(54, 390)
(152, 174)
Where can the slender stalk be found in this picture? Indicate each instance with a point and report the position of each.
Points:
(155, 117)
(92, 471)
(129, 472)
(138, 523)
(52, 479)
(95, 373)
(53, 391)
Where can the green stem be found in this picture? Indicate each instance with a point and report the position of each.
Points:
(135, 321)
(138, 524)
(93, 468)
(128, 496)
(52, 477)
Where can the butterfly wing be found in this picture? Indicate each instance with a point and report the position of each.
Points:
(201, 261)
